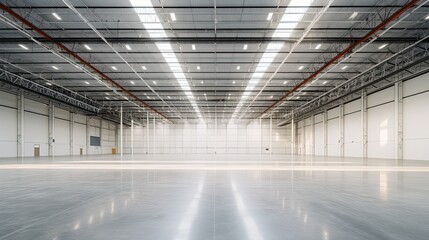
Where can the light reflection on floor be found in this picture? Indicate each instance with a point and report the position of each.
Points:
(213, 197)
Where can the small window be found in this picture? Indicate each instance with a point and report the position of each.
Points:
(94, 141)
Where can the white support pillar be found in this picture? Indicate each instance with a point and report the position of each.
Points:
(121, 134)
(101, 136)
(51, 127)
(88, 136)
(132, 136)
(260, 135)
(20, 137)
(399, 120)
(313, 135)
(303, 141)
(364, 122)
(341, 126)
(71, 130)
(154, 133)
(271, 134)
(325, 133)
(147, 133)
(292, 140)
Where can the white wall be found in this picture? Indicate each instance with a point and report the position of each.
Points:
(36, 129)
(209, 138)
(383, 125)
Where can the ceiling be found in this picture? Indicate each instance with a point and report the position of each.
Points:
(230, 39)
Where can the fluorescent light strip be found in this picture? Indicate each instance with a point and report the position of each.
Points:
(152, 23)
(290, 19)
(57, 16)
(87, 47)
(23, 46)
(173, 17)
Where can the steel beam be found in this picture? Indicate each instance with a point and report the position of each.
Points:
(349, 49)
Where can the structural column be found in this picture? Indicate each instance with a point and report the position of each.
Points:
(271, 134)
(154, 133)
(325, 133)
(88, 136)
(132, 136)
(313, 136)
(20, 137)
(341, 126)
(121, 135)
(292, 140)
(364, 120)
(71, 130)
(260, 135)
(51, 127)
(147, 133)
(399, 120)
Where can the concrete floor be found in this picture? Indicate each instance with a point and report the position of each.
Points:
(213, 197)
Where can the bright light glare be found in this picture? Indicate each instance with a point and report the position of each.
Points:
(57, 16)
(173, 17)
(87, 47)
(318, 46)
(245, 47)
(55, 67)
(290, 19)
(383, 46)
(354, 14)
(23, 46)
(127, 46)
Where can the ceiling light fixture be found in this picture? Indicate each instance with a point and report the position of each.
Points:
(154, 82)
(87, 47)
(325, 82)
(57, 16)
(87, 83)
(301, 67)
(318, 46)
(292, 16)
(427, 17)
(198, 68)
(23, 46)
(284, 82)
(48, 83)
(127, 46)
(382, 46)
(354, 14)
(193, 47)
(132, 82)
(144, 67)
(245, 47)
(173, 17)
(238, 67)
(55, 67)
(270, 16)
(233, 82)
(344, 68)
(114, 68)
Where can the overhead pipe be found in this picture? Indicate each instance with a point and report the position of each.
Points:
(78, 58)
(343, 53)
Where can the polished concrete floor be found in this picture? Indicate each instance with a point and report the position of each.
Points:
(198, 197)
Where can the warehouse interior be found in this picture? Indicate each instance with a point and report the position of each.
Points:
(214, 119)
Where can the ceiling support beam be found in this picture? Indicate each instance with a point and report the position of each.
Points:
(79, 59)
(370, 36)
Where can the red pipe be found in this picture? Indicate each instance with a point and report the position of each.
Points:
(77, 57)
(344, 52)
